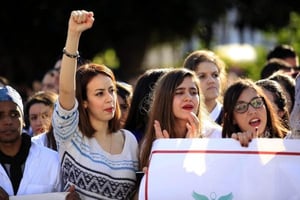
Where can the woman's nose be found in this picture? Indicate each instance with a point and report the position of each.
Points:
(187, 97)
(251, 109)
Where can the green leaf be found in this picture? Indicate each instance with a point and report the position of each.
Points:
(199, 196)
(226, 197)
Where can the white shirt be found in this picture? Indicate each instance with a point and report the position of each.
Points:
(214, 114)
(41, 173)
(40, 139)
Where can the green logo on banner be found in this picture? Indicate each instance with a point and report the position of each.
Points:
(212, 196)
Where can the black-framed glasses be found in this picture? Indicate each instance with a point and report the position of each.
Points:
(256, 102)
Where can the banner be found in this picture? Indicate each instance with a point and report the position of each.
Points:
(220, 169)
(45, 196)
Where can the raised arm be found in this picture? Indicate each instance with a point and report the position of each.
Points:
(79, 21)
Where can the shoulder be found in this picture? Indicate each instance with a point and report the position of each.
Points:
(39, 139)
(130, 140)
(128, 134)
(212, 130)
(42, 151)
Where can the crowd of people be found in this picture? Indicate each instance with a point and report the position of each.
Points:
(85, 133)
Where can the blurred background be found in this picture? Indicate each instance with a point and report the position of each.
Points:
(134, 35)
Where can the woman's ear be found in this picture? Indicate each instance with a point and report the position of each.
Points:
(85, 104)
(234, 122)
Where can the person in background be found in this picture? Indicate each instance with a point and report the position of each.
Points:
(275, 65)
(248, 114)
(275, 94)
(288, 85)
(50, 81)
(124, 94)
(97, 157)
(288, 54)
(212, 75)
(57, 65)
(26, 168)
(137, 118)
(36, 86)
(285, 52)
(38, 112)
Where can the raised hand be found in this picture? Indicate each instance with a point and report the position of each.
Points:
(158, 132)
(81, 20)
(193, 126)
(244, 137)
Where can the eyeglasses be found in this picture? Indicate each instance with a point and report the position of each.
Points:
(256, 102)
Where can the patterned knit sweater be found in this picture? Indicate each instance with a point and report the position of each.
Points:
(96, 173)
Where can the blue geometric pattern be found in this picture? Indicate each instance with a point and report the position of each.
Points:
(94, 184)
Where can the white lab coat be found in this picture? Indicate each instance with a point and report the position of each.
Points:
(41, 173)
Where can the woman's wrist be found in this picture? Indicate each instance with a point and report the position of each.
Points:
(70, 54)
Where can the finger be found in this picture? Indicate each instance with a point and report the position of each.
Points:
(82, 17)
(145, 170)
(157, 128)
(193, 125)
(71, 188)
(249, 135)
(158, 132)
(79, 16)
(165, 134)
(74, 13)
(73, 196)
(85, 17)
(255, 133)
(238, 136)
(241, 138)
(234, 136)
(191, 131)
(193, 119)
(245, 138)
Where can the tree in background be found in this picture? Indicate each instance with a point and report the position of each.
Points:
(33, 32)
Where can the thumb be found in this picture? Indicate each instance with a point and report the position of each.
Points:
(71, 188)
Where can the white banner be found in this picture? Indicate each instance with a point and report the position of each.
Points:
(220, 169)
(45, 196)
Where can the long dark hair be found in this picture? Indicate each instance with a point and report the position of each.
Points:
(138, 113)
